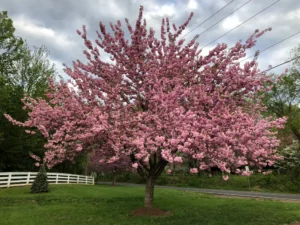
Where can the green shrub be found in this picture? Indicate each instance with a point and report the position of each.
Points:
(289, 182)
(40, 183)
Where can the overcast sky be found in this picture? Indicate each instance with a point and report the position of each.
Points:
(54, 23)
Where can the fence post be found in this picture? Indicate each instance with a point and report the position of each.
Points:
(9, 178)
(68, 178)
(77, 179)
(28, 178)
(85, 179)
(56, 181)
(93, 180)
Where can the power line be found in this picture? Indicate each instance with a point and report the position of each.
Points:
(207, 19)
(282, 63)
(225, 18)
(273, 45)
(241, 23)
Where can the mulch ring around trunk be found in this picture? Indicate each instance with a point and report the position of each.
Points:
(150, 212)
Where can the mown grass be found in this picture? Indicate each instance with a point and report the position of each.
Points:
(99, 204)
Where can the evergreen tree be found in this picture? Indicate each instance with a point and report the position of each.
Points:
(40, 183)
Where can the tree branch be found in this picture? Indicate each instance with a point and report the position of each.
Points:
(160, 169)
(141, 173)
(296, 132)
(144, 166)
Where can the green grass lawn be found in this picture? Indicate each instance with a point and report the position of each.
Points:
(83, 204)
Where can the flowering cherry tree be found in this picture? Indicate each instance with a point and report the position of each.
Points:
(98, 164)
(158, 102)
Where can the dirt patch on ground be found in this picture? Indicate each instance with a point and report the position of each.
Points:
(295, 223)
(150, 212)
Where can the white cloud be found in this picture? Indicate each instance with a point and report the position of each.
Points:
(29, 28)
(54, 25)
(160, 11)
(231, 22)
(293, 15)
(107, 8)
(192, 4)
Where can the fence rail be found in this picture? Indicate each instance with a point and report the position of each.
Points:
(15, 179)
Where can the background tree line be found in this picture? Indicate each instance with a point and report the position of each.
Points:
(22, 70)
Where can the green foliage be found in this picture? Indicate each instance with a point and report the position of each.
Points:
(40, 183)
(295, 53)
(77, 167)
(283, 101)
(32, 70)
(93, 205)
(258, 182)
(22, 70)
(15, 144)
(9, 44)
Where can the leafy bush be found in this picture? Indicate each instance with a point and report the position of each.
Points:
(40, 183)
(273, 182)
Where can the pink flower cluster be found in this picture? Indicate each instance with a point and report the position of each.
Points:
(158, 102)
(168, 171)
(267, 172)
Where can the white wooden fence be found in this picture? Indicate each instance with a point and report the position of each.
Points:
(14, 179)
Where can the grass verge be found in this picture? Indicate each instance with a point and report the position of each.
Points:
(100, 204)
(257, 182)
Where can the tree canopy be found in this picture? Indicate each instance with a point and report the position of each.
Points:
(9, 44)
(22, 70)
(158, 102)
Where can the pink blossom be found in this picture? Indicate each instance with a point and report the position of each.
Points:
(174, 142)
(103, 163)
(35, 157)
(159, 139)
(79, 148)
(146, 160)
(225, 177)
(168, 171)
(178, 159)
(43, 131)
(159, 100)
(203, 167)
(245, 173)
(199, 156)
(37, 164)
(267, 172)
(193, 170)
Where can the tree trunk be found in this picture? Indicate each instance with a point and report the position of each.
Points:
(114, 179)
(87, 164)
(149, 192)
